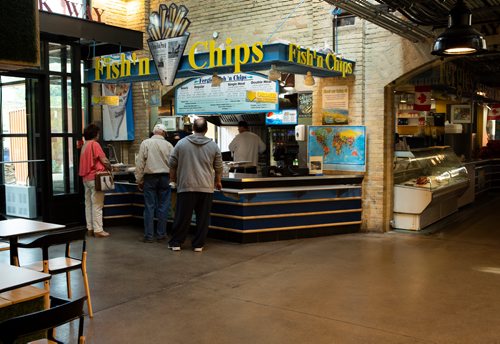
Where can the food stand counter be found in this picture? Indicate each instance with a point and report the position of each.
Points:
(266, 209)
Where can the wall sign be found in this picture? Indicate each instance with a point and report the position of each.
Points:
(335, 104)
(71, 9)
(119, 66)
(242, 58)
(198, 96)
(167, 39)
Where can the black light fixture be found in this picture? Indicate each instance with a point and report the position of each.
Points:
(460, 38)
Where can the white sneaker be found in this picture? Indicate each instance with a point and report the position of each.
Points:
(198, 249)
(174, 248)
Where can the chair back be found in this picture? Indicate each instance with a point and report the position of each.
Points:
(65, 237)
(61, 313)
(57, 238)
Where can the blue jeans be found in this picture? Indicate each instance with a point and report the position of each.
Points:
(156, 198)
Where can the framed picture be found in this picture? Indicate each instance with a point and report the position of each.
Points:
(461, 114)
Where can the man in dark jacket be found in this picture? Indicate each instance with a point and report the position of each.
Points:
(197, 162)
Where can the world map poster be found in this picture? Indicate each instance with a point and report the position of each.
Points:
(342, 147)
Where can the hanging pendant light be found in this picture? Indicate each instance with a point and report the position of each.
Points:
(309, 79)
(216, 80)
(274, 73)
(460, 38)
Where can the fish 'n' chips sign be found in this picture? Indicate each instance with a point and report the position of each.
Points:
(167, 39)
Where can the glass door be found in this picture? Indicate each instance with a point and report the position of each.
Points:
(19, 163)
(41, 121)
(62, 129)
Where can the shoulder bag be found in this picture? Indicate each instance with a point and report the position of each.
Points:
(103, 179)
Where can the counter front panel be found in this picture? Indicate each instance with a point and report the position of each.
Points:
(278, 209)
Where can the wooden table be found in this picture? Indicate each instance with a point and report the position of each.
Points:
(14, 277)
(13, 229)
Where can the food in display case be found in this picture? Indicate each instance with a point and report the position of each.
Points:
(427, 185)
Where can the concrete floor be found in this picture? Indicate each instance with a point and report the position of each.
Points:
(439, 287)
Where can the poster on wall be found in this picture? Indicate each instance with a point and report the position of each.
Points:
(305, 102)
(118, 120)
(238, 93)
(335, 105)
(343, 148)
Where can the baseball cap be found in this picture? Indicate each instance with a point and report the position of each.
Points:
(160, 126)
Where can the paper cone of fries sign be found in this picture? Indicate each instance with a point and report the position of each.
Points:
(168, 38)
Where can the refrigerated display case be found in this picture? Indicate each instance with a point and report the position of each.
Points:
(427, 185)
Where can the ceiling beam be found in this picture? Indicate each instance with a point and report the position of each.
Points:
(384, 19)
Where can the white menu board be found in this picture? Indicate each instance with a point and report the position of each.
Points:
(198, 96)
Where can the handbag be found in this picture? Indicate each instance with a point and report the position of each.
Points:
(103, 179)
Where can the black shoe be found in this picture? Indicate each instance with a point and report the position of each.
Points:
(147, 241)
(162, 239)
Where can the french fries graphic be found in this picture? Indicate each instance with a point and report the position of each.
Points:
(168, 22)
(168, 36)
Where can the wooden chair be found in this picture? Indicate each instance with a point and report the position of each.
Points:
(61, 312)
(56, 265)
(4, 246)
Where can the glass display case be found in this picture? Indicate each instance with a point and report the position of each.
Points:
(432, 168)
(427, 185)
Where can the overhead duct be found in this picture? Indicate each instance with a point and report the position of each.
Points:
(253, 119)
(382, 18)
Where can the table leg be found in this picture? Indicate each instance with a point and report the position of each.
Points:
(14, 257)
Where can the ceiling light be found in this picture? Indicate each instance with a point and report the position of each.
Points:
(460, 38)
(216, 80)
(309, 80)
(274, 74)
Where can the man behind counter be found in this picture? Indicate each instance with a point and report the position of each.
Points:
(246, 146)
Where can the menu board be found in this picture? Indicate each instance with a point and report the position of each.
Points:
(198, 96)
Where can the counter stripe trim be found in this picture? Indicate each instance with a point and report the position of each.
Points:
(117, 217)
(285, 215)
(245, 231)
(118, 205)
(123, 205)
(287, 202)
(122, 193)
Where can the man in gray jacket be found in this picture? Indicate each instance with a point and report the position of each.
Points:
(197, 161)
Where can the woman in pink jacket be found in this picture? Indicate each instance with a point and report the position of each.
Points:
(92, 160)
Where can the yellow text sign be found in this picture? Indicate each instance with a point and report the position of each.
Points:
(262, 97)
(106, 100)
